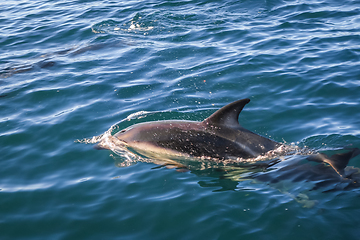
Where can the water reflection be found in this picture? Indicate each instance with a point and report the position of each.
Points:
(294, 175)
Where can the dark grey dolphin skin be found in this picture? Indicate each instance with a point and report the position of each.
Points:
(219, 136)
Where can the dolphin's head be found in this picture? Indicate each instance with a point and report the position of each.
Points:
(124, 135)
(137, 133)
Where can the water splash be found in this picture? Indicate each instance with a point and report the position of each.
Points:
(135, 25)
(97, 139)
(113, 129)
(138, 115)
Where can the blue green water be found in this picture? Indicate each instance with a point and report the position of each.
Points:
(70, 70)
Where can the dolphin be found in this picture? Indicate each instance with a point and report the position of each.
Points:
(220, 137)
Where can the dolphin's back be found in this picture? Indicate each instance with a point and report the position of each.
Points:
(196, 139)
(202, 144)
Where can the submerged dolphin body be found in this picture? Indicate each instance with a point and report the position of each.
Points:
(219, 136)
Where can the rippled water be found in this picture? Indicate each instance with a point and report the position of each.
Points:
(70, 70)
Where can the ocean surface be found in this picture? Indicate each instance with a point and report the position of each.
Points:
(70, 70)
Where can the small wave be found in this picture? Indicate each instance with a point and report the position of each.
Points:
(138, 115)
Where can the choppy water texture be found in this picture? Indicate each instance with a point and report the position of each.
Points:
(71, 69)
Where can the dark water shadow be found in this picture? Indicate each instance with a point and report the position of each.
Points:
(294, 175)
(49, 60)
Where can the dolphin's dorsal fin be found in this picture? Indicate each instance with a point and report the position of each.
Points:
(228, 115)
(337, 161)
